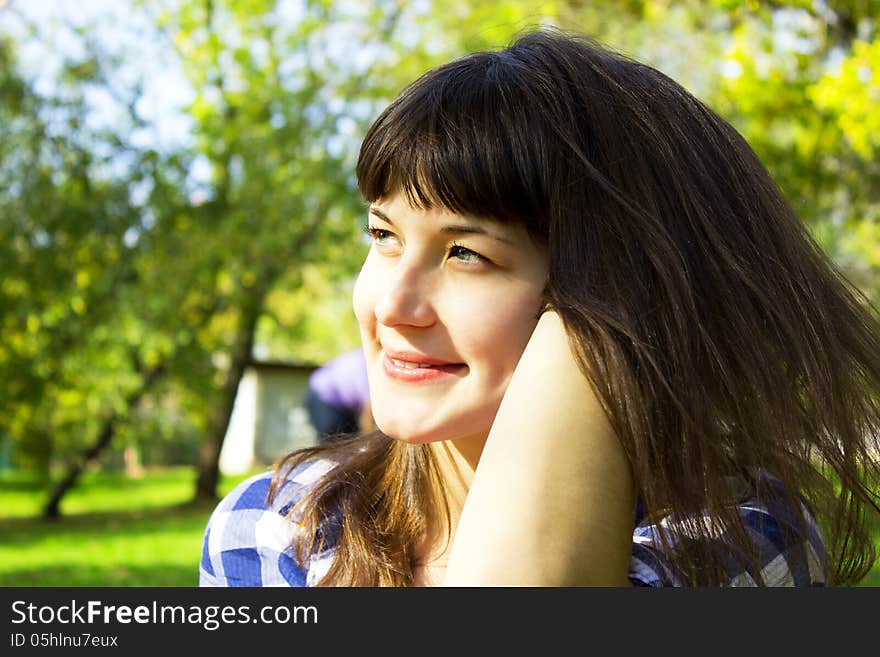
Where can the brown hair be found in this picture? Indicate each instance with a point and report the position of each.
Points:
(720, 339)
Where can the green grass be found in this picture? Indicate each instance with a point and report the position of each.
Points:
(22, 497)
(122, 532)
(115, 532)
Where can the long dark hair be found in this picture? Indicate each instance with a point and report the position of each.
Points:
(722, 342)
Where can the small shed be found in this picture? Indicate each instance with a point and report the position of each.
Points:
(268, 419)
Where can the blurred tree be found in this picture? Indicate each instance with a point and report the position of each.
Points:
(803, 84)
(70, 373)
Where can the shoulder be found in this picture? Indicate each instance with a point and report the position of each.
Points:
(249, 541)
(787, 557)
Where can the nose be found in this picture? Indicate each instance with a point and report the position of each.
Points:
(407, 299)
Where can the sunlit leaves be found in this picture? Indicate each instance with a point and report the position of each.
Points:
(851, 91)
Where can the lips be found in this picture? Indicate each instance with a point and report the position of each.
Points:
(409, 365)
(413, 367)
(414, 359)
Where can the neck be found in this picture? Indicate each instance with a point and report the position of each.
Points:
(456, 461)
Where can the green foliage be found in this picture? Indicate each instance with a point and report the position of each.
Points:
(800, 88)
(63, 266)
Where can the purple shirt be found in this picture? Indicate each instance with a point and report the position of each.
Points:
(343, 381)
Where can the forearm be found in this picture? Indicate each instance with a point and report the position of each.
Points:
(552, 500)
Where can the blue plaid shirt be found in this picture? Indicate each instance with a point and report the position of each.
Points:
(248, 542)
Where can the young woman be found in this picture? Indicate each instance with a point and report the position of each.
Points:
(601, 349)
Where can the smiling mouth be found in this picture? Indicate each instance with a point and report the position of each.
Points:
(412, 370)
(408, 365)
(412, 366)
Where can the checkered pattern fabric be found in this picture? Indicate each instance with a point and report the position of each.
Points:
(786, 559)
(248, 542)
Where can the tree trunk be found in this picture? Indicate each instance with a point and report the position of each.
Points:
(52, 508)
(208, 467)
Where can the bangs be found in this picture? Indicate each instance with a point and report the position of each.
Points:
(450, 139)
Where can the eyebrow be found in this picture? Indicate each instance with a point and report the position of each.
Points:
(450, 229)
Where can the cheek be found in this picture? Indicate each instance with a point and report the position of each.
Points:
(498, 338)
(512, 337)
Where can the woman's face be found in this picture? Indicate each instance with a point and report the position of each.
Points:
(446, 304)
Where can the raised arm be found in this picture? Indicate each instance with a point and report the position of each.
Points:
(552, 499)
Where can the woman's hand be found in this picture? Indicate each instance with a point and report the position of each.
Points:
(552, 499)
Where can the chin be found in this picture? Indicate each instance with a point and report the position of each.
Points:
(408, 436)
(407, 433)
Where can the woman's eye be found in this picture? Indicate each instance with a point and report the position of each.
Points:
(465, 255)
(379, 235)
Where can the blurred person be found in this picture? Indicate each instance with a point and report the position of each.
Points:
(338, 397)
(601, 350)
